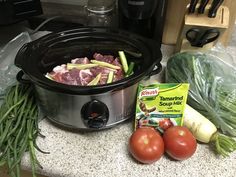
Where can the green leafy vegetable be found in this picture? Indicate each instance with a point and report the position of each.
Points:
(212, 87)
(18, 128)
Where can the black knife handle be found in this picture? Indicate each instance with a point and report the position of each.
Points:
(192, 6)
(214, 7)
(202, 6)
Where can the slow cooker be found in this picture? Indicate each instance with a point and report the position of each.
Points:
(87, 107)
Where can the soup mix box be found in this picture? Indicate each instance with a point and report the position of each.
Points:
(160, 105)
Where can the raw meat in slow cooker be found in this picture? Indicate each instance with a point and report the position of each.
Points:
(84, 60)
(105, 58)
(72, 74)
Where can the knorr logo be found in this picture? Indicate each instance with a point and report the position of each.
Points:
(149, 93)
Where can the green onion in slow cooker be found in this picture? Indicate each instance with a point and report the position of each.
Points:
(95, 80)
(130, 69)
(101, 63)
(80, 66)
(110, 77)
(123, 61)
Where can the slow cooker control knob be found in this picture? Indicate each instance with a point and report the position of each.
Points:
(95, 114)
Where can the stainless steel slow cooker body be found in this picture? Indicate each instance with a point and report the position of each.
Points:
(88, 111)
(87, 107)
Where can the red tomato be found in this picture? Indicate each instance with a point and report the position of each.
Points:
(165, 124)
(146, 145)
(179, 142)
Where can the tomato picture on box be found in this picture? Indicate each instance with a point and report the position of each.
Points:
(160, 106)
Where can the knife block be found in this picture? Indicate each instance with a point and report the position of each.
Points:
(202, 21)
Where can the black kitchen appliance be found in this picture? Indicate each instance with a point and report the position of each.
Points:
(144, 17)
(12, 11)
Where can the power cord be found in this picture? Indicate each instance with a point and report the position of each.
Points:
(42, 24)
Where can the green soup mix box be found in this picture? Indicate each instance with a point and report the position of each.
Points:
(161, 105)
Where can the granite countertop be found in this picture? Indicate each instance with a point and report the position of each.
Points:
(105, 154)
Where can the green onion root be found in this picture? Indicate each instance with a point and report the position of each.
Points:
(223, 144)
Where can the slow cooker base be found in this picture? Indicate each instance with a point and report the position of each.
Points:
(74, 128)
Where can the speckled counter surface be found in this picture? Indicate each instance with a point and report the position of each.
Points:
(105, 154)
